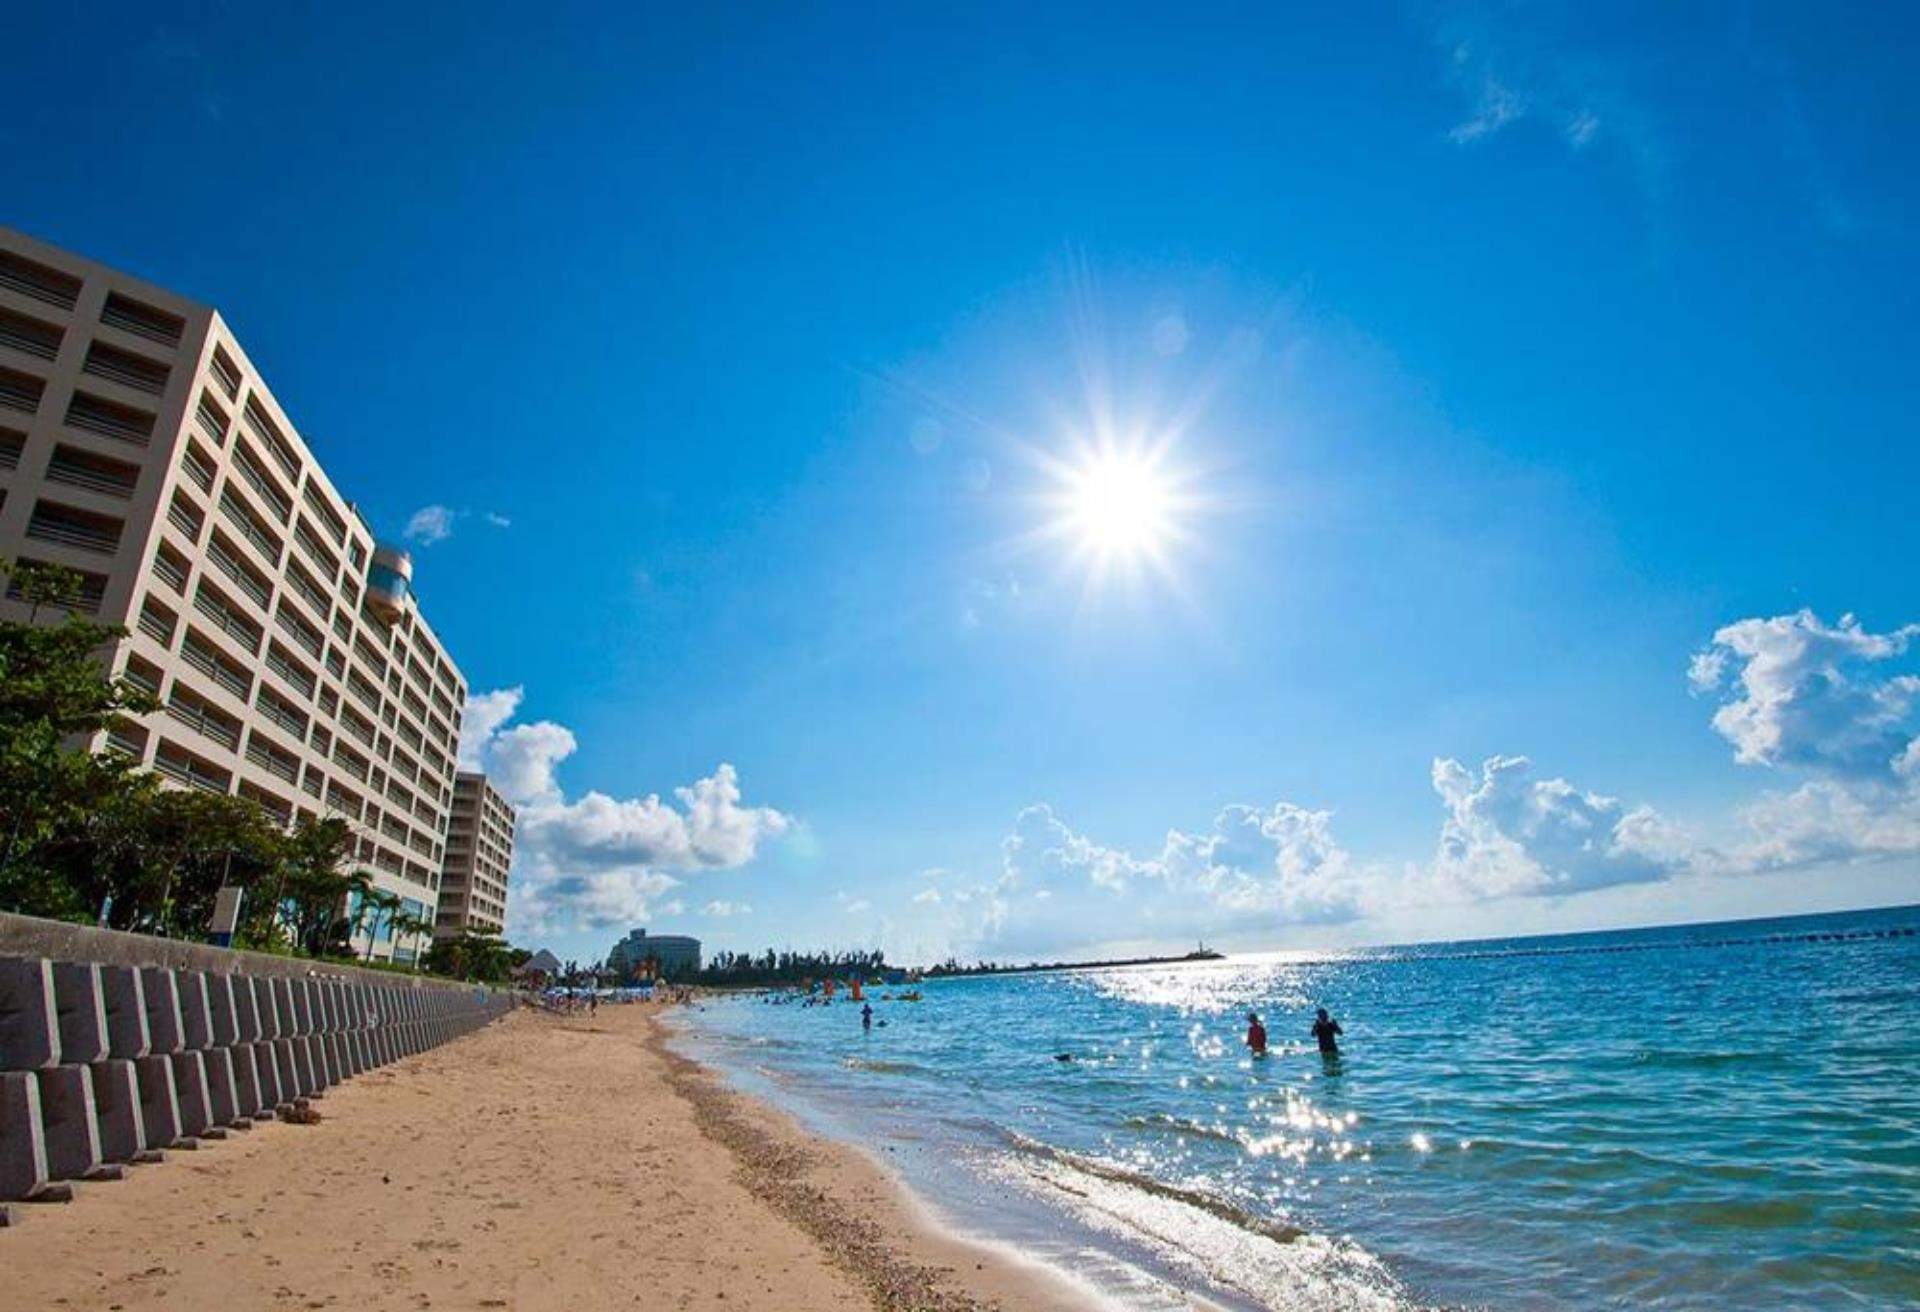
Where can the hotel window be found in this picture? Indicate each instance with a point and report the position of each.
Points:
(29, 336)
(36, 280)
(20, 391)
(125, 368)
(129, 315)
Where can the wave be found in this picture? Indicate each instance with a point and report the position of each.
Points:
(877, 1067)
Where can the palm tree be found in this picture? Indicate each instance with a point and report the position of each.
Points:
(385, 906)
(405, 924)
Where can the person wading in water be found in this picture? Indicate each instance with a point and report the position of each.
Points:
(1256, 1035)
(1326, 1032)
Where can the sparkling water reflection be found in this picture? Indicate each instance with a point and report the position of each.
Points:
(1723, 1116)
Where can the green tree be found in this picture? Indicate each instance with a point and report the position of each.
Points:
(55, 693)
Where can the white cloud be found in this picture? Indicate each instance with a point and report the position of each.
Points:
(1821, 700)
(485, 713)
(1810, 696)
(723, 909)
(497, 520)
(1495, 103)
(1508, 834)
(928, 897)
(599, 861)
(429, 524)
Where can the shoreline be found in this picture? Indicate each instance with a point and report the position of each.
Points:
(546, 1162)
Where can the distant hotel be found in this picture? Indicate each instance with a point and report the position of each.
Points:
(640, 955)
(140, 448)
(473, 884)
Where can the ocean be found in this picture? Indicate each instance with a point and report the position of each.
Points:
(1708, 1116)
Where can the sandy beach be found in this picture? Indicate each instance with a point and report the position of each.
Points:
(564, 1163)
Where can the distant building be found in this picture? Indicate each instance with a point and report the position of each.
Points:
(473, 882)
(640, 954)
(539, 970)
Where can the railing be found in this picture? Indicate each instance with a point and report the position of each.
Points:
(292, 673)
(364, 693)
(97, 416)
(204, 722)
(227, 373)
(128, 370)
(11, 444)
(21, 391)
(355, 768)
(272, 760)
(171, 572)
(360, 729)
(70, 534)
(189, 771)
(205, 660)
(181, 518)
(126, 746)
(139, 678)
(281, 714)
(133, 317)
(198, 471)
(235, 626)
(29, 337)
(308, 592)
(316, 552)
(311, 782)
(156, 626)
(61, 469)
(238, 516)
(210, 421)
(41, 283)
(297, 629)
(257, 480)
(248, 582)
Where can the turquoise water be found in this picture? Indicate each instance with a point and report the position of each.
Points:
(1717, 1116)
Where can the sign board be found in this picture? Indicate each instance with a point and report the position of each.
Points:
(226, 915)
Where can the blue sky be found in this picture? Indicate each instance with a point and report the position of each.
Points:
(1504, 357)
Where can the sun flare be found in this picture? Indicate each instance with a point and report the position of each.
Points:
(1119, 505)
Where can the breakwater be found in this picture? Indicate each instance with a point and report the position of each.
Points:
(116, 1048)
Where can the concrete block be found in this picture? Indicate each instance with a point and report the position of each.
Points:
(126, 1002)
(159, 1105)
(266, 1008)
(296, 1077)
(282, 990)
(81, 1005)
(116, 1111)
(67, 1120)
(196, 1010)
(248, 1097)
(190, 1088)
(223, 1011)
(266, 1074)
(223, 1090)
(164, 1030)
(23, 1149)
(29, 1021)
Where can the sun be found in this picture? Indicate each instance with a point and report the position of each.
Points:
(1119, 504)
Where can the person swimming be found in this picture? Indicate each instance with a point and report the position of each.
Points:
(1256, 1035)
(1326, 1032)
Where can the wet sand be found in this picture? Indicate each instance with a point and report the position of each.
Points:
(545, 1163)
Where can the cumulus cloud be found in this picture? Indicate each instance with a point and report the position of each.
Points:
(428, 525)
(723, 909)
(1829, 702)
(1508, 834)
(485, 713)
(1811, 696)
(597, 861)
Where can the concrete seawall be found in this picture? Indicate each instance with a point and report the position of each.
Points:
(117, 1047)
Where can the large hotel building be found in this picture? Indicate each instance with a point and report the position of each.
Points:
(140, 447)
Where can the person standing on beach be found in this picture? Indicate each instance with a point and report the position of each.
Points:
(1326, 1032)
(1256, 1035)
